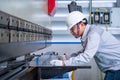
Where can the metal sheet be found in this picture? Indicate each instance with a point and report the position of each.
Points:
(11, 50)
(46, 70)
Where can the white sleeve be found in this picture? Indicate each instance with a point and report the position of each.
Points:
(92, 45)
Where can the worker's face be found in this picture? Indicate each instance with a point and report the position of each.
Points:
(74, 31)
(77, 30)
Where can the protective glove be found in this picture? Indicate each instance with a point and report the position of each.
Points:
(57, 63)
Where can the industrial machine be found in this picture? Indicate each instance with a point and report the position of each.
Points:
(19, 38)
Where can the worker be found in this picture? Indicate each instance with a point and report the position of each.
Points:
(97, 43)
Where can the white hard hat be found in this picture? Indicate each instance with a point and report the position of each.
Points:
(73, 18)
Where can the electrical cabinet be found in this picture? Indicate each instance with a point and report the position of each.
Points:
(115, 16)
(100, 17)
(106, 17)
(96, 17)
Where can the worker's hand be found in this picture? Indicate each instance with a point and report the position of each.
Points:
(57, 63)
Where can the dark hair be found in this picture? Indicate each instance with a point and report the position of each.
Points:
(85, 21)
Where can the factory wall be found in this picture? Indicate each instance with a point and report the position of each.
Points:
(27, 10)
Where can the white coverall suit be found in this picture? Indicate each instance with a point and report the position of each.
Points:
(101, 45)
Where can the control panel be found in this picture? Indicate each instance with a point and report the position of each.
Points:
(100, 16)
